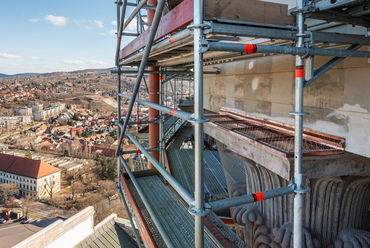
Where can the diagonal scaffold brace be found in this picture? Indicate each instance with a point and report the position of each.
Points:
(143, 63)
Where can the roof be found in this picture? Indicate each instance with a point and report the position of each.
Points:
(108, 234)
(25, 166)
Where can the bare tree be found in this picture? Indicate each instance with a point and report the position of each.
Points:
(7, 190)
(51, 186)
(77, 187)
(27, 202)
(107, 189)
(11, 203)
(108, 141)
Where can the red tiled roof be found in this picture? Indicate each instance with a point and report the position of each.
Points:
(25, 166)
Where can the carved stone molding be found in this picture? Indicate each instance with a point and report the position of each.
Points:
(332, 204)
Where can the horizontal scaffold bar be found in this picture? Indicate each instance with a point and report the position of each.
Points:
(161, 72)
(245, 29)
(245, 199)
(139, 151)
(178, 113)
(137, 122)
(252, 48)
(152, 7)
(170, 179)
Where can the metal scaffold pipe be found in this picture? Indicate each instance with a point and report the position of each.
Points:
(120, 21)
(141, 69)
(128, 212)
(298, 133)
(118, 113)
(154, 217)
(178, 113)
(301, 51)
(163, 72)
(245, 199)
(199, 210)
(134, 13)
(170, 179)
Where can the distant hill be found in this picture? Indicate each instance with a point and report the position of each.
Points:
(19, 75)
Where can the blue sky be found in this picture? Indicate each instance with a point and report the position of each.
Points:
(48, 36)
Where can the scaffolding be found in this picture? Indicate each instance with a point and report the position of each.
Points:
(181, 49)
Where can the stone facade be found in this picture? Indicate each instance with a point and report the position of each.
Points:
(336, 209)
(337, 102)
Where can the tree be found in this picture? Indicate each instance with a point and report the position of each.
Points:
(28, 155)
(11, 203)
(77, 187)
(108, 141)
(7, 190)
(66, 153)
(103, 166)
(107, 189)
(51, 186)
(75, 117)
(27, 202)
(112, 169)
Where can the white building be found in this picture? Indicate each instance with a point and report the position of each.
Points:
(54, 109)
(40, 115)
(23, 111)
(33, 177)
(36, 107)
(13, 122)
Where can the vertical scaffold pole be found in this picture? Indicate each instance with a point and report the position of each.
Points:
(298, 112)
(153, 86)
(161, 131)
(118, 116)
(198, 125)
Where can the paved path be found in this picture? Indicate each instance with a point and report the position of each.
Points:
(6, 136)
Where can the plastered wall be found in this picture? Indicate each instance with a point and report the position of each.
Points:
(338, 102)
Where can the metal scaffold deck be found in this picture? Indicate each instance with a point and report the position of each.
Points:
(181, 163)
(173, 41)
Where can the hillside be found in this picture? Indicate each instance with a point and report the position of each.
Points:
(93, 88)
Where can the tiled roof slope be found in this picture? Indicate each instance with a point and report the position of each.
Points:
(25, 166)
(108, 235)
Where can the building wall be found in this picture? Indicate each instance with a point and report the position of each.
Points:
(338, 101)
(36, 107)
(27, 185)
(47, 183)
(66, 233)
(23, 111)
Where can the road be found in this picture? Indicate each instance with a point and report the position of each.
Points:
(6, 136)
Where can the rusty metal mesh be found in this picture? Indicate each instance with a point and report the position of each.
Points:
(279, 136)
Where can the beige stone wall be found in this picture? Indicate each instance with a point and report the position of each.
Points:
(338, 102)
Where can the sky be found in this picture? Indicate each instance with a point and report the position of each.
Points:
(47, 36)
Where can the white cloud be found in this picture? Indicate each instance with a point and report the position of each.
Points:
(35, 58)
(112, 32)
(98, 23)
(96, 63)
(56, 20)
(114, 23)
(9, 56)
(132, 26)
(33, 20)
(102, 34)
(87, 63)
(73, 62)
